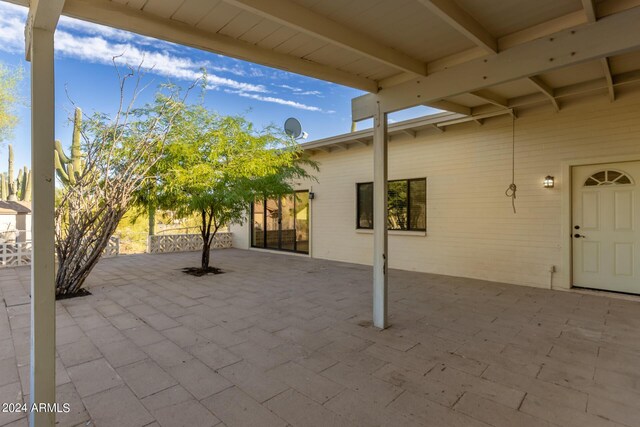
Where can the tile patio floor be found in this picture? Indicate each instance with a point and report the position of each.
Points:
(281, 340)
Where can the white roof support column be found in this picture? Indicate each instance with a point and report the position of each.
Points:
(43, 295)
(43, 18)
(380, 246)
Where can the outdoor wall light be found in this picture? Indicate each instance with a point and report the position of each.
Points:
(312, 195)
(549, 181)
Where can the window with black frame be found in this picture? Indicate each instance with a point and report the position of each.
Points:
(407, 205)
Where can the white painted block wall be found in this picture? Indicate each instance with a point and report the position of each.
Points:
(471, 229)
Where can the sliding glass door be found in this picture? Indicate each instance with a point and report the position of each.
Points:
(302, 221)
(272, 221)
(287, 223)
(281, 223)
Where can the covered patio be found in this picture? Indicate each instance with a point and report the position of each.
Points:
(457, 350)
(281, 340)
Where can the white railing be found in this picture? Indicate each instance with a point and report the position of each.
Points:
(13, 236)
(163, 243)
(14, 254)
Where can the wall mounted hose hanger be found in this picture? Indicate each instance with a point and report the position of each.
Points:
(511, 190)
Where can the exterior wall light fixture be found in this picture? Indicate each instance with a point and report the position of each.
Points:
(549, 181)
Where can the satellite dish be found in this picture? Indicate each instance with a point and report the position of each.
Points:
(293, 128)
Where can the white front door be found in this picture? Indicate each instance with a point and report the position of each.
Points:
(606, 226)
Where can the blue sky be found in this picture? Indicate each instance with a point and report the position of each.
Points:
(85, 75)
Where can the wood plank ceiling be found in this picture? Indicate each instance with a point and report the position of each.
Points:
(373, 45)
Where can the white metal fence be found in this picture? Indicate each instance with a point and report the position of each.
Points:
(14, 254)
(163, 243)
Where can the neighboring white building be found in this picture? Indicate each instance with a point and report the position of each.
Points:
(15, 221)
(471, 230)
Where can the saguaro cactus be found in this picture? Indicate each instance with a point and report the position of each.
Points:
(18, 184)
(24, 185)
(15, 189)
(68, 168)
(11, 184)
(4, 188)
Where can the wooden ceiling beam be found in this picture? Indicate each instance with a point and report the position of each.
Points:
(609, 7)
(610, 36)
(479, 114)
(293, 15)
(570, 20)
(546, 90)
(591, 12)
(362, 142)
(491, 97)
(451, 13)
(589, 7)
(450, 106)
(478, 118)
(606, 68)
(526, 35)
(599, 85)
(116, 15)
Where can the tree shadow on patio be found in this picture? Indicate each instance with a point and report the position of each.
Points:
(199, 272)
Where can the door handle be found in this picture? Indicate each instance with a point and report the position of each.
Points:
(577, 236)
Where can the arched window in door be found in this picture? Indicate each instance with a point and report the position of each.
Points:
(608, 177)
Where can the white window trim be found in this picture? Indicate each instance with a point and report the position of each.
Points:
(393, 232)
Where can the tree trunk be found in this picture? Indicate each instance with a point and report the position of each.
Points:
(80, 251)
(206, 250)
(207, 234)
(205, 231)
(152, 219)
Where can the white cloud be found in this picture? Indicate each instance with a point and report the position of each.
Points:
(238, 71)
(13, 17)
(103, 43)
(99, 44)
(101, 30)
(12, 28)
(98, 50)
(256, 72)
(276, 100)
(291, 88)
(300, 91)
(310, 92)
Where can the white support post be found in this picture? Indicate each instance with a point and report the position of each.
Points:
(380, 142)
(43, 304)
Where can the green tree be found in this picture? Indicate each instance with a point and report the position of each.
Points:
(9, 79)
(215, 166)
(146, 201)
